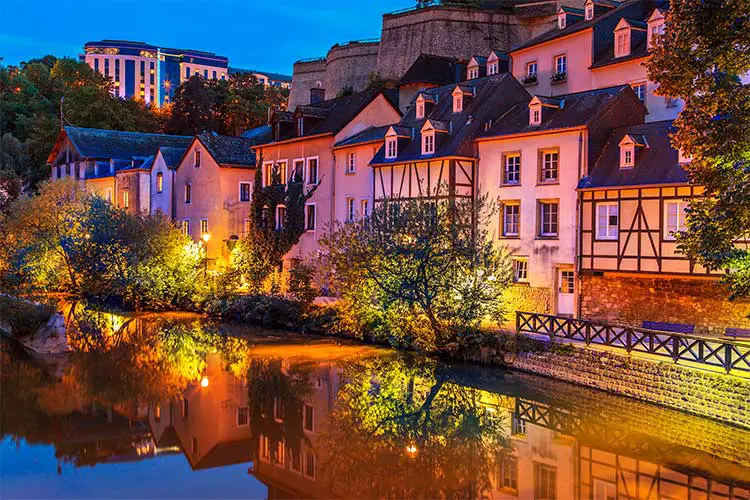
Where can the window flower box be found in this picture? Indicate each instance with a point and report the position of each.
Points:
(558, 77)
(530, 79)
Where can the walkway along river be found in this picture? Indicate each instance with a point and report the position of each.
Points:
(177, 408)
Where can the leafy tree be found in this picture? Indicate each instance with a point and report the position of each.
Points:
(700, 58)
(417, 273)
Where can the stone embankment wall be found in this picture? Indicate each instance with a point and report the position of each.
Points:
(708, 394)
(630, 301)
(349, 66)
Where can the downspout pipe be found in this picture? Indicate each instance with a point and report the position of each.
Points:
(578, 233)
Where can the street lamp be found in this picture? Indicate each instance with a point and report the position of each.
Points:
(205, 237)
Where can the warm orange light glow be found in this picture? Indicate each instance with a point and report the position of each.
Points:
(204, 382)
(206, 237)
(411, 450)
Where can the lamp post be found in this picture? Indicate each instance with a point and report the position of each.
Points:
(205, 237)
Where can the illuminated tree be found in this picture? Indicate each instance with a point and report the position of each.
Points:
(700, 58)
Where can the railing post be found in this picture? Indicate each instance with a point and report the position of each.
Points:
(587, 333)
(629, 340)
(550, 327)
(728, 357)
(675, 348)
(518, 322)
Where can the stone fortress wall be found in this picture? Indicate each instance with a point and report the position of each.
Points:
(450, 30)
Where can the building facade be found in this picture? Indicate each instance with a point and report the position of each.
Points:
(265, 78)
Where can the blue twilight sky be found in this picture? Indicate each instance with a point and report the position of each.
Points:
(261, 34)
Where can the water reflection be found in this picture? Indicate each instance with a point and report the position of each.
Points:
(321, 419)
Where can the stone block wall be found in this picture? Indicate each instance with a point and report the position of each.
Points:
(632, 300)
(349, 66)
(307, 75)
(527, 299)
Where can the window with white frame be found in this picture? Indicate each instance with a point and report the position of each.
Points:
(280, 456)
(520, 269)
(204, 226)
(640, 90)
(607, 221)
(512, 168)
(365, 208)
(245, 190)
(622, 43)
(281, 166)
(458, 103)
(391, 147)
(265, 448)
(186, 227)
(473, 73)
(561, 20)
(310, 217)
(159, 182)
(428, 142)
(683, 158)
(280, 217)
(674, 218)
(549, 168)
(531, 68)
(548, 218)
(561, 64)
(351, 163)
(310, 465)
(535, 115)
(308, 418)
(420, 109)
(589, 11)
(507, 473)
(243, 416)
(351, 210)
(300, 126)
(545, 482)
(627, 156)
(511, 219)
(656, 29)
(298, 170)
(126, 199)
(493, 68)
(108, 195)
(267, 174)
(312, 170)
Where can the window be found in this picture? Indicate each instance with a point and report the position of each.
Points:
(420, 109)
(312, 170)
(157, 412)
(549, 166)
(428, 142)
(185, 408)
(604, 490)
(535, 115)
(205, 74)
(507, 473)
(545, 482)
(492, 68)
(279, 456)
(310, 218)
(186, 227)
(622, 43)
(159, 182)
(204, 226)
(106, 68)
(458, 103)
(194, 446)
(670, 102)
(351, 163)
(197, 160)
(245, 190)
(280, 217)
(300, 126)
(308, 418)
(365, 207)
(531, 68)
(188, 193)
(561, 21)
(310, 465)
(512, 168)
(520, 269)
(125, 199)
(391, 147)
(548, 215)
(267, 174)
(589, 12)
(350, 210)
(561, 64)
(265, 448)
(278, 410)
(655, 31)
(674, 218)
(282, 171)
(607, 221)
(187, 73)
(246, 227)
(627, 156)
(518, 426)
(243, 416)
(298, 171)
(473, 73)
(640, 90)
(511, 218)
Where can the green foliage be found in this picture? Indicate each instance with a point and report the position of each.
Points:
(301, 277)
(700, 58)
(261, 310)
(24, 317)
(66, 238)
(418, 275)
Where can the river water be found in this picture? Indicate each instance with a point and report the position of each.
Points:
(164, 407)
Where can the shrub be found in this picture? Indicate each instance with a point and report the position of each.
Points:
(24, 317)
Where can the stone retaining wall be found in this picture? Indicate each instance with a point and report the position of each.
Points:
(707, 394)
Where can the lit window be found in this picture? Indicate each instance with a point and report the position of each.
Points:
(365, 207)
(545, 482)
(186, 227)
(622, 43)
(420, 109)
(640, 90)
(674, 218)
(627, 156)
(548, 215)
(108, 195)
(204, 226)
(351, 163)
(280, 217)
(188, 193)
(350, 210)
(428, 142)
(125, 199)
(507, 473)
(265, 448)
(531, 68)
(511, 218)
(267, 174)
(308, 418)
(159, 182)
(197, 161)
(607, 221)
(312, 170)
(520, 269)
(279, 456)
(512, 168)
(245, 190)
(391, 147)
(561, 64)
(282, 171)
(458, 103)
(549, 167)
(310, 218)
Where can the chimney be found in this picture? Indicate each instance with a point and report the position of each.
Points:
(317, 95)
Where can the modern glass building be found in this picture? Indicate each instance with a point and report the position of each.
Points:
(143, 71)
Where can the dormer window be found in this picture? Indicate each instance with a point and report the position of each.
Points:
(458, 103)
(622, 42)
(473, 72)
(535, 115)
(428, 142)
(561, 21)
(655, 27)
(627, 156)
(492, 68)
(589, 11)
(683, 158)
(391, 147)
(420, 109)
(300, 126)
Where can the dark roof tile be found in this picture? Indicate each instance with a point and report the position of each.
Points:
(105, 144)
(229, 150)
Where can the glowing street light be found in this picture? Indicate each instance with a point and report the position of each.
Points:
(411, 450)
(204, 382)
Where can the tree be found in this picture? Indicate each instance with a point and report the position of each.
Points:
(420, 273)
(700, 58)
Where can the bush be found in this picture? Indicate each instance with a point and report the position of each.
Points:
(24, 317)
(261, 310)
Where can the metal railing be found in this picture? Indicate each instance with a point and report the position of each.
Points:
(720, 353)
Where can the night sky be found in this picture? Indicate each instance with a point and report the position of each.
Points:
(268, 35)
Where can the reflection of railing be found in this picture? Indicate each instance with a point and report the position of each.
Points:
(679, 347)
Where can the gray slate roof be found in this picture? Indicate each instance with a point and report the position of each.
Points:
(113, 144)
(235, 151)
(172, 155)
(438, 70)
(655, 164)
(493, 96)
(368, 135)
